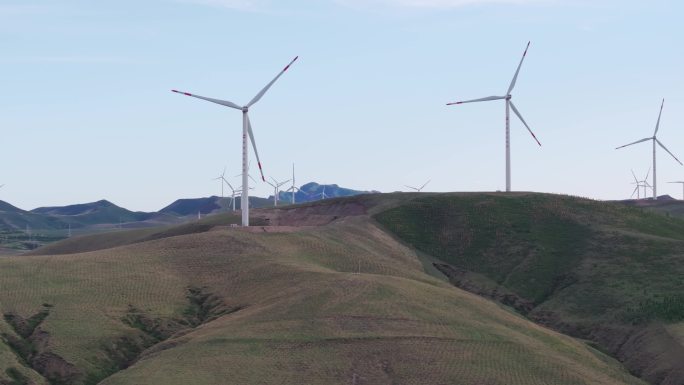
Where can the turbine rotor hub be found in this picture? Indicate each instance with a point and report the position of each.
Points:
(245, 109)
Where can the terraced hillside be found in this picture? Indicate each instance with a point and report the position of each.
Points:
(600, 271)
(336, 302)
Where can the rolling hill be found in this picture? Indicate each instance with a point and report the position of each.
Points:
(210, 205)
(87, 214)
(600, 271)
(322, 295)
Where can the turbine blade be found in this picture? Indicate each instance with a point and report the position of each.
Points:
(635, 191)
(262, 92)
(515, 110)
(668, 151)
(635, 178)
(228, 183)
(217, 101)
(251, 137)
(515, 77)
(488, 98)
(411, 187)
(638, 141)
(659, 115)
(647, 174)
(426, 183)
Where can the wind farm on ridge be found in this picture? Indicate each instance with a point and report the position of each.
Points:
(455, 274)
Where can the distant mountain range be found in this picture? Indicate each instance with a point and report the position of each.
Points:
(313, 191)
(103, 214)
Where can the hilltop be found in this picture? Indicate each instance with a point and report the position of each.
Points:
(317, 293)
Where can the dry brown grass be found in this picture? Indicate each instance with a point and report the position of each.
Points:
(307, 315)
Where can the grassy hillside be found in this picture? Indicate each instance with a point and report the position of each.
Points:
(343, 303)
(602, 271)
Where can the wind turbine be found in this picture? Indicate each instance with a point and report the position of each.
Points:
(323, 195)
(509, 106)
(233, 191)
(655, 140)
(276, 189)
(246, 130)
(294, 188)
(418, 189)
(641, 183)
(636, 189)
(221, 178)
(682, 183)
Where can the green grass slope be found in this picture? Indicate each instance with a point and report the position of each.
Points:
(343, 303)
(597, 270)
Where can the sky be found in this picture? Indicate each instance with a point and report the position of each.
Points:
(86, 111)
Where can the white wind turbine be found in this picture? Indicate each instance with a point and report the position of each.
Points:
(641, 183)
(655, 140)
(509, 106)
(276, 189)
(323, 195)
(246, 130)
(418, 189)
(221, 178)
(682, 183)
(294, 188)
(234, 192)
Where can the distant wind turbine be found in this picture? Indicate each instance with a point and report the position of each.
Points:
(418, 189)
(655, 140)
(276, 189)
(509, 105)
(246, 131)
(221, 178)
(641, 183)
(234, 192)
(323, 195)
(294, 188)
(682, 183)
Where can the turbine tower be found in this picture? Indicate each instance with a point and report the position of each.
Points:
(418, 189)
(682, 183)
(246, 130)
(294, 188)
(655, 140)
(509, 106)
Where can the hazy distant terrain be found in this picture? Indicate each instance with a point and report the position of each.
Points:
(22, 230)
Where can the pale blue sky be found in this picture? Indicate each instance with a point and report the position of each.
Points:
(86, 110)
